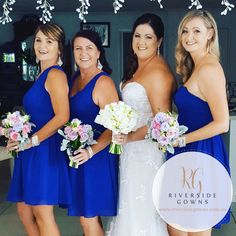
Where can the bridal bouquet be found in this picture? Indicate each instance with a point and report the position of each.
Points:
(76, 136)
(17, 128)
(120, 118)
(165, 129)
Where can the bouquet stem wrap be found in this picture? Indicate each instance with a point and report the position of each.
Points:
(13, 153)
(72, 163)
(116, 148)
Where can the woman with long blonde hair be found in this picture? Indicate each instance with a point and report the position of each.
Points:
(201, 101)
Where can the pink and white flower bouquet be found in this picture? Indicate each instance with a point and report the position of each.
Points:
(118, 117)
(17, 128)
(165, 129)
(76, 136)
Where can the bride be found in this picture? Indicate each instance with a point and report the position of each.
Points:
(147, 87)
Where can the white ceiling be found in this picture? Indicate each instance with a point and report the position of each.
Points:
(106, 5)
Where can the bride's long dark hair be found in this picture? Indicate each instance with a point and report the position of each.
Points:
(158, 27)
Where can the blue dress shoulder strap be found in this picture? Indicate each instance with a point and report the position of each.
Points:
(92, 83)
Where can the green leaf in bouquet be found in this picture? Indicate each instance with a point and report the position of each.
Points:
(182, 129)
(170, 149)
(72, 163)
(13, 154)
(76, 144)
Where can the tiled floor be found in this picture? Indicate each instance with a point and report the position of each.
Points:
(11, 226)
(69, 226)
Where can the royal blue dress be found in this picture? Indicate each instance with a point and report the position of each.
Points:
(40, 174)
(94, 183)
(195, 113)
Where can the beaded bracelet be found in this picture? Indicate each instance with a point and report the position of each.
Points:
(182, 141)
(90, 151)
(35, 140)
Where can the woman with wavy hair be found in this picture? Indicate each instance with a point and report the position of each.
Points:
(201, 101)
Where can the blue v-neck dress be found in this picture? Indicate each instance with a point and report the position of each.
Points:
(40, 174)
(95, 183)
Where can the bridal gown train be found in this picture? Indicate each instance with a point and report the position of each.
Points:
(139, 164)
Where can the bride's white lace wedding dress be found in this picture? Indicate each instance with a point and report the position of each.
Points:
(139, 164)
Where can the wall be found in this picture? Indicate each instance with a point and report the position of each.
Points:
(123, 22)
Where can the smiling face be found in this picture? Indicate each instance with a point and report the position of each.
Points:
(145, 42)
(195, 36)
(46, 48)
(86, 53)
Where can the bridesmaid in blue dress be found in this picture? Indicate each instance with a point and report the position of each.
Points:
(201, 102)
(41, 177)
(95, 182)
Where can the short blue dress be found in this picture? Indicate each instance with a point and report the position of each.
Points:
(40, 174)
(195, 113)
(95, 183)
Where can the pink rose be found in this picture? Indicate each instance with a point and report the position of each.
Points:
(172, 133)
(67, 130)
(72, 136)
(163, 141)
(155, 134)
(26, 129)
(156, 125)
(84, 137)
(80, 129)
(14, 136)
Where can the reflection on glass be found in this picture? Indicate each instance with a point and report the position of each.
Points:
(29, 66)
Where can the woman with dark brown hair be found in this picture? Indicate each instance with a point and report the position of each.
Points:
(95, 183)
(147, 87)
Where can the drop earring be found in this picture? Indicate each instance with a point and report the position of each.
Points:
(208, 46)
(59, 61)
(37, 60)
(99, 65)
(75, 67)
(158, 51)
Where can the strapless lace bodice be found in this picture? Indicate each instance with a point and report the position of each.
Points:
(134, 94)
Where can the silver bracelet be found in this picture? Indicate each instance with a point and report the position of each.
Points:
(35, 140)
(182, 141)
(90, 151)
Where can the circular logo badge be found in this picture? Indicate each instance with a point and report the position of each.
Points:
(192, 191)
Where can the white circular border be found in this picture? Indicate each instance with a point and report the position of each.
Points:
(180, 218)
